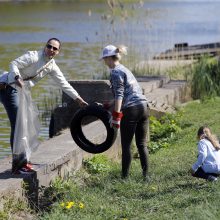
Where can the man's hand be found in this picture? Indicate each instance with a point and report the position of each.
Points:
(81, 102)
(115, 119)
(19, 82)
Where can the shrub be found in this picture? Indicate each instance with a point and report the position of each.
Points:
(163, 130)
(205, 82)
(97, 164)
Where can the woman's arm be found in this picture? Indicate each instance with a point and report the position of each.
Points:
(118, 103)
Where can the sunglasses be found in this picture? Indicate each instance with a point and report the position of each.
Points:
(50, 47)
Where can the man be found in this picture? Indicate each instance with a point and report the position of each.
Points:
(31, 67)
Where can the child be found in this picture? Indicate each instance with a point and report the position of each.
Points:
(207, 165)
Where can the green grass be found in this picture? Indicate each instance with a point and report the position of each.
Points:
(171, 192)
(13, 208)
(98, 192)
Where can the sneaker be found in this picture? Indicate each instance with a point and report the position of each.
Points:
(27, 168)
(212, 178)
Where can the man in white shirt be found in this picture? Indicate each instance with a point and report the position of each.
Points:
(32, 67)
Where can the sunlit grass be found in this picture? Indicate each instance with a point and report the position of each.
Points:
(22, 29)
(171, 192)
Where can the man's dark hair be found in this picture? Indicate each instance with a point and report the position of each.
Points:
(56, 39)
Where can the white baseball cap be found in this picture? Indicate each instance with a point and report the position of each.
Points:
(109, 51)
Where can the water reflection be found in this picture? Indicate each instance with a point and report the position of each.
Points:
(146, 27)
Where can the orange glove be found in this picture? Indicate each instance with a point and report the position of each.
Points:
(115, 120)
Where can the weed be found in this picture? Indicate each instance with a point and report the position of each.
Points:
(163, 130)
(97, 164)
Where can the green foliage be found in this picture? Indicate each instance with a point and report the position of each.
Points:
(171, 192)
(3, 215)
(97, 164)
(163, 130)
(56, 191)
(205, 81)
(13, 207)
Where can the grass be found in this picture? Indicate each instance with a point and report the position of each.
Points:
(12, 208)
(98, 192)
(171, 192)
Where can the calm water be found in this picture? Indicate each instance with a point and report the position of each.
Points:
(146, 27)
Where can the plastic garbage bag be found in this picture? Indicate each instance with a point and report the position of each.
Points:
(27, 126)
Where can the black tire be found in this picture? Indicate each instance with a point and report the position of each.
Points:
(78, 136)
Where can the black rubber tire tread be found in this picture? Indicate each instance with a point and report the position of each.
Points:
(78, 136)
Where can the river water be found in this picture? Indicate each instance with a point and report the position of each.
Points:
(84, 27)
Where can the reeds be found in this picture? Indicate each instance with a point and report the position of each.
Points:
(205, 81)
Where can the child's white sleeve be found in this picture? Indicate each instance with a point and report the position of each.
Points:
(202, 150)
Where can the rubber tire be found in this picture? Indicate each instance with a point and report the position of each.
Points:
(77, 133)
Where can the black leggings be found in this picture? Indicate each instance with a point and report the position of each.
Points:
(135, 121)
(200, 173)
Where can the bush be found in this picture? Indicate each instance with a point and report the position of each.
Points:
(97, 164)
(163, 130)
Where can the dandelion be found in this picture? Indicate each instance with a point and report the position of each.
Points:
(62, 204)
(81, 205)
(70, 205)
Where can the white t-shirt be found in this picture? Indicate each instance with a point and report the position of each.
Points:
(208, 158)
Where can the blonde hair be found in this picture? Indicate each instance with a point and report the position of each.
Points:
(205, 132)
(121, 50)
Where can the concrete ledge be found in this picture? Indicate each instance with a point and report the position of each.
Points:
(55, 157)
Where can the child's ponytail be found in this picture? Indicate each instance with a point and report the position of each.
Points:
(209, 136)
(121, 50)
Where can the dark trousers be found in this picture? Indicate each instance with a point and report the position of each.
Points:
(200, 173)
(9, 99)
(135, 122)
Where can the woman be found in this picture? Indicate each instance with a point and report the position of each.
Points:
(32, 67)
(130, 112)
(207, 165)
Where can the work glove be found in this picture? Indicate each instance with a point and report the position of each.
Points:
(115, 119)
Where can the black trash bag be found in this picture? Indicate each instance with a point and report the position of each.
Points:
(101, 113)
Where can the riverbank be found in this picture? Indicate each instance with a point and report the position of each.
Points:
(171, 192)
(59, 156)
